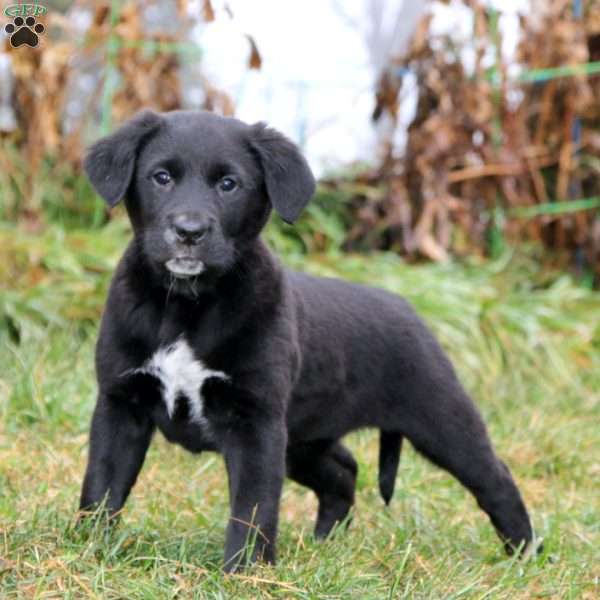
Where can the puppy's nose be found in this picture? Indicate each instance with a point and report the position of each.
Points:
(189, 229)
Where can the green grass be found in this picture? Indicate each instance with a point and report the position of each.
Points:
(525, 341)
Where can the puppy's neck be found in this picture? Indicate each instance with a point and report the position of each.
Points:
(254, 277)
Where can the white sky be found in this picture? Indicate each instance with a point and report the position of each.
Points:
(314, 84)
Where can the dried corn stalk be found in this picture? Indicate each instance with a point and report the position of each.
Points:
(481, 147)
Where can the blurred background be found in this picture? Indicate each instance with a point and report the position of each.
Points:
(439, 129)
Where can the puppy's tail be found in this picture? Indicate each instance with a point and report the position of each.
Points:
(390, 445)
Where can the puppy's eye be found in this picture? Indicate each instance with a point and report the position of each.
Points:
(161, 177)
(227, 184)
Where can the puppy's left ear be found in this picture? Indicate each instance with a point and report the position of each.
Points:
(289, 181)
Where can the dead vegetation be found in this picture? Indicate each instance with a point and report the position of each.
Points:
(492, 155)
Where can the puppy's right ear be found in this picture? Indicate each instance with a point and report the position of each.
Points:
(109, 163)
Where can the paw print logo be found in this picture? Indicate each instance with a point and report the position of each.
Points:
(24, 31)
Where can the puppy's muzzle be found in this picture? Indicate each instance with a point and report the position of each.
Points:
(190, 228)
(185, 232)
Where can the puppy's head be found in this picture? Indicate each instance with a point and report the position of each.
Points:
(198, 187)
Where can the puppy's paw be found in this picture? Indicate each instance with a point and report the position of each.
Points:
(533, 549)
(94, 521)
(526, 551)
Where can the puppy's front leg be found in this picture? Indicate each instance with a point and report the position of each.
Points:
(120, 436)
(255, 459)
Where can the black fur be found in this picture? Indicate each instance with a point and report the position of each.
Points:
(390, 444)
(308, 359)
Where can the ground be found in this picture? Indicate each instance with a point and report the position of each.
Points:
(525, 341)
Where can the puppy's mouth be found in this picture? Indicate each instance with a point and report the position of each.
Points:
(184, 267)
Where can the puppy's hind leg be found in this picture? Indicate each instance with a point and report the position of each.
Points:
(446, 427)
(329, 469)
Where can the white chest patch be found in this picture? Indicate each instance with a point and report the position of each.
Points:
(180, 374)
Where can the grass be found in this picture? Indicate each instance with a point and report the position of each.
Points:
(525, 341)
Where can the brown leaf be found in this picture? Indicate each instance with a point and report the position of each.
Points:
(255, 60)
(208, 12)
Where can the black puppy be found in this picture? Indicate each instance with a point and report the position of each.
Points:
(208, 338)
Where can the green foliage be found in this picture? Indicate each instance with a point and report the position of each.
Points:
(54, 192)
(323, 226)
(54, 277)
(525, 341)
